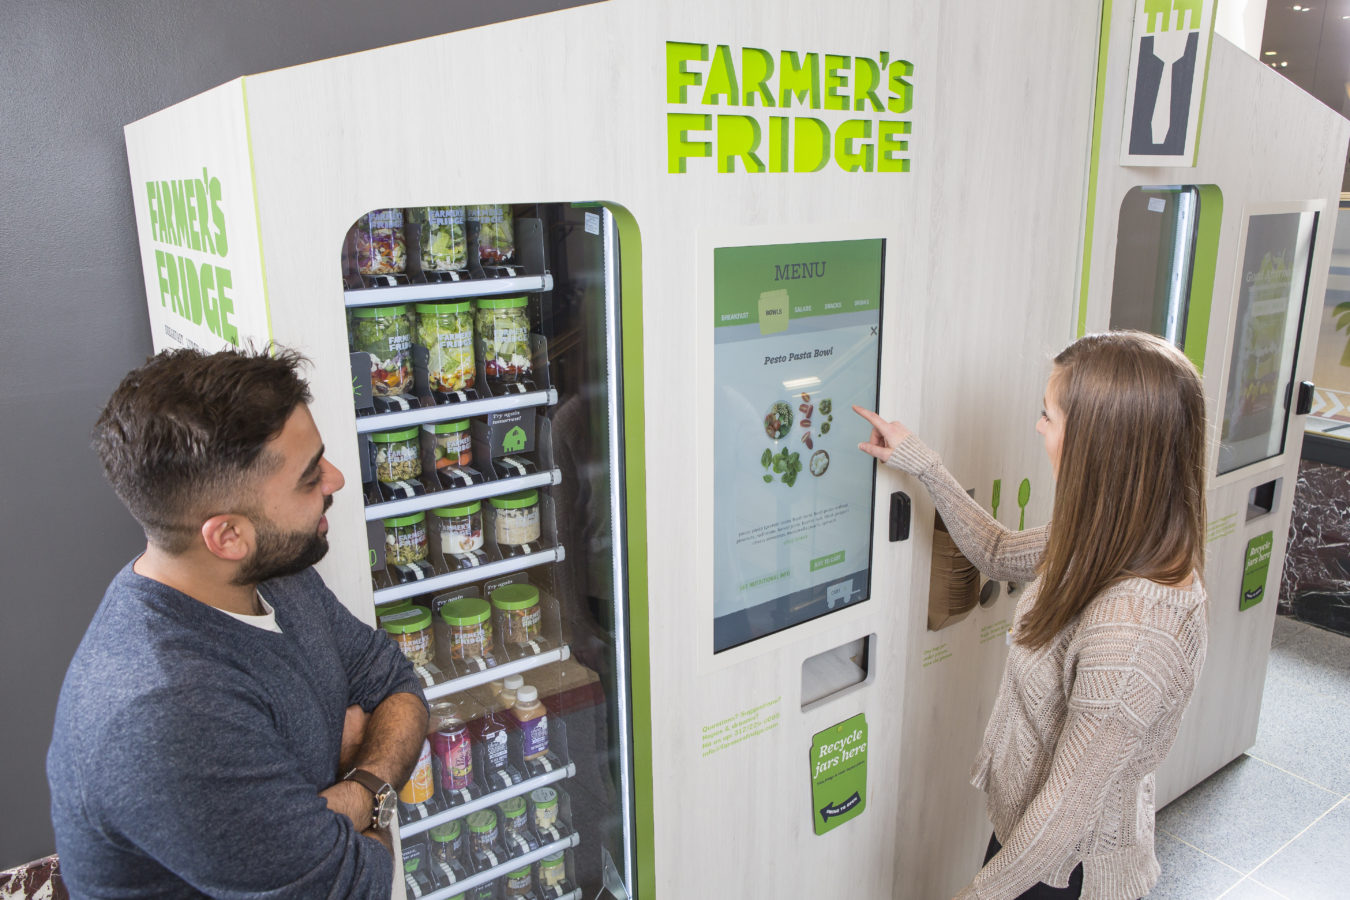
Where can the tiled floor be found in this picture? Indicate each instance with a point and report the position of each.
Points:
(1274, 823)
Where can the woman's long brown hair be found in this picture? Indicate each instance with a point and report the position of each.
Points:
(1130, 492)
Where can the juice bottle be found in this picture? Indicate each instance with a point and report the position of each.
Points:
(510, 684)
(490, 732)
(533, 719)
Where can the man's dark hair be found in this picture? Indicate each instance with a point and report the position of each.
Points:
(181, 435)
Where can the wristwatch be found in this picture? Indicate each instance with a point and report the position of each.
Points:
(386, 800)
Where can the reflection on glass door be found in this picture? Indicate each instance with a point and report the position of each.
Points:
(1274, 281)
(1155, 252)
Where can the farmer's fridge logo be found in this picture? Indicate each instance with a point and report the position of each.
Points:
(187, 218)
(798, 111)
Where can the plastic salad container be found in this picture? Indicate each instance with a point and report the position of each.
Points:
(411, 630)
(446, 331)
(385, 334)
(405, 539)
(517, 519)
(482, 830)
(469, 623)
(504, 338)
(454, 444)
(445, 246)
(518, 609)
(380, 245)
(545, 807)
(496, 233)
(397, 457)
(461, 528)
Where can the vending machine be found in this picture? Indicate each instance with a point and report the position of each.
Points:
(587, 352)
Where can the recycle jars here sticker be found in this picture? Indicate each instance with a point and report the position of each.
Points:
(839, 774)
(1256, 566)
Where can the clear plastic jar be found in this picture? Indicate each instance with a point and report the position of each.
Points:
(483, 831)
(518, 883)
(445, 246)
(517, 518)
(553, 870)
(390, 609)
(446, 331)
(454, 443)
(515, 816)
(496, 233)
(517, 606)
(461, 528)
(469, 624)
(380, 245)
(504, 338)
(384, 333)
(447, 842)
(411, 630)
(405, 539)
(545, 801)
(397, 456)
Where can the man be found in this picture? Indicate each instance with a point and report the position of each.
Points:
(226, 727)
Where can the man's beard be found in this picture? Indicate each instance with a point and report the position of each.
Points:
(281, 553)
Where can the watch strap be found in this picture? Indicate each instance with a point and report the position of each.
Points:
(380, 790)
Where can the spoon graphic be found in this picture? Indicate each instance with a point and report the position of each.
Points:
(998, 487)
(1023, 497)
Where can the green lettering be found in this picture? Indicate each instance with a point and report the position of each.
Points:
(192, 292)
(175, 280)
(218, 218)
(209, 300)
(902, 92)
(738, 136)
(679, 147)
(678, 77)
(756, 70)
(800, 79)
(180, 216)
(150, 205)
(866, 80)
(779, 143)
(721, 79)
(810, 144)
(166, 213)
(835, 83)
(849, 158)
(161, 273)
(203, 210)
(889, 146)
(228, 331)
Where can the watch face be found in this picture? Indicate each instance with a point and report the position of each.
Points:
(386, 806)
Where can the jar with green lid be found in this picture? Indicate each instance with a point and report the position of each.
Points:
(519, 883)
(545, 800)
(553, 870)
(515, 816)
(496, 233)
(405, 539)
(453, 443)
(381, 248)
(446, 331)
(384, 333)
(469, 623)
(504, 338)
(483, 831)
(445, 246)
(517, 606)
(411, 630)
(461, 528)
(390, 609)
(517, 519)
(397, 456)
(447, 842)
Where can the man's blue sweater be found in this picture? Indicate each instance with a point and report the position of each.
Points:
(190, 748)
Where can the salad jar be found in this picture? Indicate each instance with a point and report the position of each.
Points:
(411, 630)
(483, 831)
(397, 457)
(390, 609)
(468, 621)
(545, 807)
(384, 333)
(504, 338)
(380, 245)
(553, 870)
(447, 842)
(517, 606)
(517, 518)
(454, 443)
(461, 528)
(446, 331)
(518, 883)
(515, 816)
(496, 233)
(445, 246)
(405, 539)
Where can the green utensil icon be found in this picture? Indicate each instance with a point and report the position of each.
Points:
(1023, 497)
(998, 489)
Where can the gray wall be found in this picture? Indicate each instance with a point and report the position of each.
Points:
(72, 300)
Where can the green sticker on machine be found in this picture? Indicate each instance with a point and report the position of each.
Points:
(839, 774)
(1255, 569)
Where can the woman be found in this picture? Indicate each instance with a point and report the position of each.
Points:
(1109, 637)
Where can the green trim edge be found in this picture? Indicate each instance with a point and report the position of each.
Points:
(1202, 273)
(257, 210)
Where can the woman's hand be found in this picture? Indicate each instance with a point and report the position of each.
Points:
(885, 435)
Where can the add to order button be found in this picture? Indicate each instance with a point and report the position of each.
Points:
(822, 562)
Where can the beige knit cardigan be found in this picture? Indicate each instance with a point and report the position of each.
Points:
(1080, 725)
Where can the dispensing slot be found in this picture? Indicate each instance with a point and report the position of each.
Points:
(1262, 499)
(834, 673)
